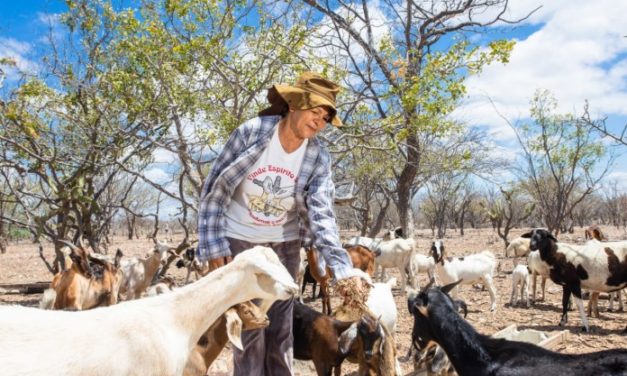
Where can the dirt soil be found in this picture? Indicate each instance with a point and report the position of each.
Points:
(22, 264)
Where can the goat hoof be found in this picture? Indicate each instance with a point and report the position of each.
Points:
(585, 329)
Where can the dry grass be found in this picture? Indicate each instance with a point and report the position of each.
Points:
(21, 264)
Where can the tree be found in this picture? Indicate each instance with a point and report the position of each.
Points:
(562, 161)
(399, 65)
(600, 125)
(506, 210)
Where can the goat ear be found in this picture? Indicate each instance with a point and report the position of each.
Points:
(347, 338)
(383, 338)
(234, 328)
(526, 235)
(446, 289)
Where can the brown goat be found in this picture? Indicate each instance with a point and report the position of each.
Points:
(594, 232)
(88, 283)
(324, 281)
(243, 316)
(317, 338)
(362, 258)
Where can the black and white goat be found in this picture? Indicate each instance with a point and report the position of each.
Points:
(436, 320)
(595, 266)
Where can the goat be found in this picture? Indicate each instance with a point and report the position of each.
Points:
(593, 303)
(300, 275)
(594, 232)
(470, 269)
(435, 319)
(362, 258)
(164, 285)
(421, 264)
(138, 273)
(243, 316)
(396, 233)
(396, 254)
(371, 243)
(316, 270)
(88, 283)
(595, 266)
(520, 277)
(369, 341)
(309, 279)
(370, 344)
(192, 264)
(170, 324)
(537, 267)
(381, 303)
(431, 357)
(434, 360)
(519, 247)
(317, 338)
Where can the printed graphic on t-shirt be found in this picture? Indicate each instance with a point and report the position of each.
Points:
(274, 196)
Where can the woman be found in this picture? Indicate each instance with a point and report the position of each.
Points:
(271, 185)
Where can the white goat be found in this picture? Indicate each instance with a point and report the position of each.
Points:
(420, 263)
(520, 277)
(537, 267)
(364, 241)
(151, 336)
(468, 269)
(395, 254)
(381, 303)
(138, 273)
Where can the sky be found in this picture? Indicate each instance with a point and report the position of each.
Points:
(577, 49)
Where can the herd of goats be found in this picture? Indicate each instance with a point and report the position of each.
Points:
(161, 329)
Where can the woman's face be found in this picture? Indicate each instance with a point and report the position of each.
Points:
(307, 123)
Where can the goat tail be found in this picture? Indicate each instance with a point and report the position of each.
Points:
(47, 300)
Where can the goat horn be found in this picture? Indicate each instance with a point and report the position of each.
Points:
(450, 286)
(428, 285)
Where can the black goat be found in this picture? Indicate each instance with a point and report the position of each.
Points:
(308, 278)
(436, 319)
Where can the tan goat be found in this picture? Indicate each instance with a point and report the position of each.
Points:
(361, 257)
(243, 316)
(88, 283)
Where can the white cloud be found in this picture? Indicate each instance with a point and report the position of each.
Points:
(578, 53)
(49, 19)
(164, 156)
(157, 175)
(19, 52)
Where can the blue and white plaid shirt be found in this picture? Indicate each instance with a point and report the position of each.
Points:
(314, 194)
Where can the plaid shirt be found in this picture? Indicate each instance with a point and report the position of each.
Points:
(314, 194)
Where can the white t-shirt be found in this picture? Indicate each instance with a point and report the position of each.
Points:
(263, 208)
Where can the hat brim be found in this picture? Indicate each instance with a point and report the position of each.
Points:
(301, 99)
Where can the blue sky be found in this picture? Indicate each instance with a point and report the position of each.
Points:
(577, 49)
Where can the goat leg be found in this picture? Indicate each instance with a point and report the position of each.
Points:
(565, 299)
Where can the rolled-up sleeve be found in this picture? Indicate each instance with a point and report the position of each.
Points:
(212, 242)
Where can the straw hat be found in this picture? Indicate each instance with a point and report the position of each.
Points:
(310, 90)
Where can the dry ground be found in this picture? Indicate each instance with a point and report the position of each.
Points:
(21, 264)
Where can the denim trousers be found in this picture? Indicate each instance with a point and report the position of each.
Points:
(269, 351)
